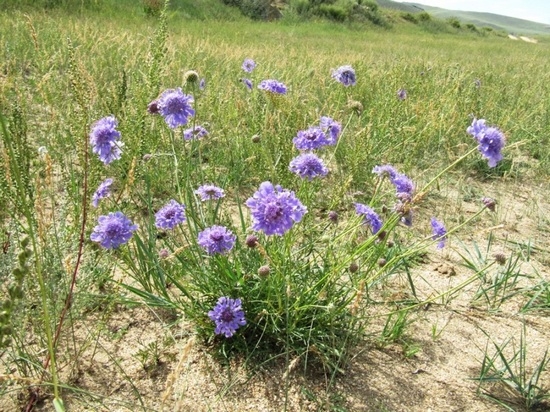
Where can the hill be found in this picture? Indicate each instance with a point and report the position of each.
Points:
(496, 21)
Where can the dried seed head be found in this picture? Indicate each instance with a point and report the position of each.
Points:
(333, 216)
(191, 76)
(355, 106)
(264, 271)
(382, 262)
(153, 107)
(251, 241)
(146, 157)
(353, 267)
(256, 139)
(500, 258)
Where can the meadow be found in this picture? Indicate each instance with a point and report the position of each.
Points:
(350, 284)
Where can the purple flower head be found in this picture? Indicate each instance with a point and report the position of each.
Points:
(371, 218)
(401, 94)
(385, 171)
(491, 141)
(274, 209)
(113, 230)
(216, 239)
(103, 191)
(170, 215)
(210, 192)
(248, 65)
(202, 84)
(331, 128)
(175, 107)
(105, 139)
(439, 232)
(477, 127)
(403, 184)
(308, 166)
(228, 315)
(345, 75)
(247, 83)
(272, 86)
(310, 139)
(194, 133)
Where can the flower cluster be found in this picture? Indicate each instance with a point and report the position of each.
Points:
(103, 191)
(228, 315)
(370, 217)
(401, 94)
(113, 230)
(310, 139)
(274, 209)
(210, 192)
(345, 75)
(331, 128)
(248, 65)
(175, 107)
(216, 239)
(170, 215)
(404, 186)
(194, 132)
(439, 232)
(272, 86)
(490, 140)
(308, 165)
(105, 139)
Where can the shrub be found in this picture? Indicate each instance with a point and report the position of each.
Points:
(409, 17)
(153, 8)
(424, 16)
(333, 12)
(454, 22)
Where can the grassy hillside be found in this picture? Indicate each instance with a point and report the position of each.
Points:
(509, 24)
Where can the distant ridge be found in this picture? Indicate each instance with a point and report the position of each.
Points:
(480, 19)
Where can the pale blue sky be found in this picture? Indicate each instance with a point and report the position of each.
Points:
(534, 10)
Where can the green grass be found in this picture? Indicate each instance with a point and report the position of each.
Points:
(61, 71)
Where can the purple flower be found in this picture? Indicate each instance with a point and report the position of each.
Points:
(210, 192)
(194, 133)
(385, 171)
(272, 86)
(401, 94)
(247, 83)
(310, 139)
(345, 75)
(274, 209)
(113, 230)
(248, 65)
(228, 315)
(403, 185)
(175, 107)
(170, 215)
(216, 239)
(103, 191)
(105, 139)
(308, 166)
(371, 218)
(439, 232)
(331, 128)
(202, 84)
(490, 139)
(477, 127)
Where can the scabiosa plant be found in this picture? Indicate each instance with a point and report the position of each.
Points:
(439, 232)
(247, 83)
(490, 140)
(370, 217)
(310, 139)
(228, 315)
(248, 65)
(403, 186)
(103, 191)
(170, 215)
(331, 128)
(216, 239)
(345, 75)
(210, 192)
(401, 94)
(105, 139)
(385, 171)
(113, 230)
(274, 209)
(175, 107)
(194, 132)
(308, 166)
(272, 86)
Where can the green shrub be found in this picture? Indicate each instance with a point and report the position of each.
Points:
(454, 22)
(333, 12)
(409, 17)
(424, 16)
(471, 27)
(153, 8)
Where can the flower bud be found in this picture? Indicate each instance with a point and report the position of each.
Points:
(251, 241)
(353, 267)
(489, 203)
(264, 271)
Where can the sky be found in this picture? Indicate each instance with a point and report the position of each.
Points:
(534, 10)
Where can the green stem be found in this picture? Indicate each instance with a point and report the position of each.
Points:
(461, 158)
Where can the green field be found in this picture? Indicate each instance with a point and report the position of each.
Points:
(339, 317)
